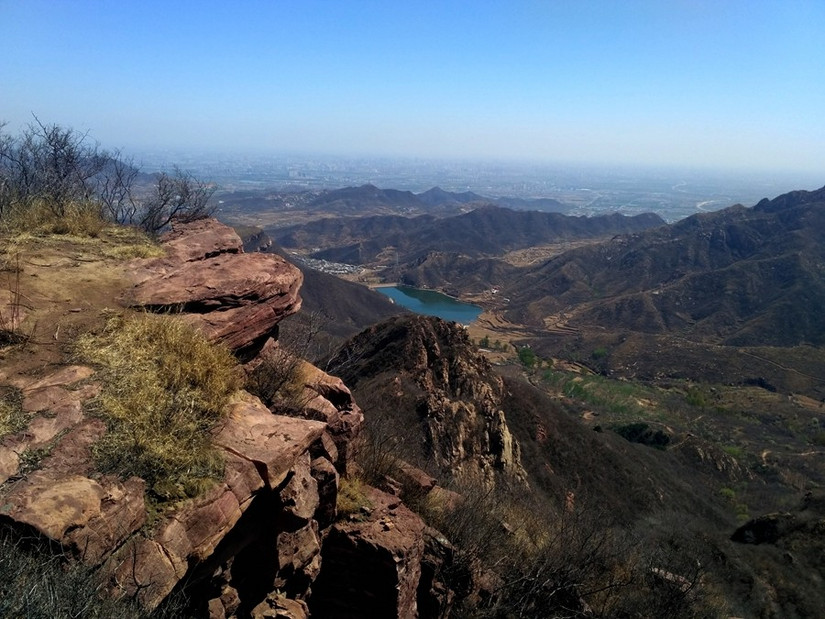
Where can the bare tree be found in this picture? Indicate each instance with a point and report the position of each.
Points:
(50, 164)
(115, 190)
(176, 197)
(54, 164)
(59, 168)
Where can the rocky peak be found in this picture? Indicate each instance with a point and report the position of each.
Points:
(425, 371)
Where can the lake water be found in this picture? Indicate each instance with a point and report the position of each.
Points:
(432, 303)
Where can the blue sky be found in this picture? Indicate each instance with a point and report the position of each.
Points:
(695, 83)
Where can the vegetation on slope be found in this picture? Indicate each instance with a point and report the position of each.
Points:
(55, 179)
(12, 417)
(165, 387)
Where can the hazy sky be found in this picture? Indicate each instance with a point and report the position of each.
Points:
(686, 82)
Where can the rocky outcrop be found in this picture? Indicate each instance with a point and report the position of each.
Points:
(257, 530)
(262, 541)
(423, 372)
(386, 542)
(235, 298)
(278, 485)
(806, 521)
(312, 394)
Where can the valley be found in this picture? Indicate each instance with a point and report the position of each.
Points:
(633, 413)
(700, 342)
(412, 310)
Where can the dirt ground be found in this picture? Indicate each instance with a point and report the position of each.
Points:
(54, 287)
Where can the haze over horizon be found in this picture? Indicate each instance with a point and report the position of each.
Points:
(719, 85)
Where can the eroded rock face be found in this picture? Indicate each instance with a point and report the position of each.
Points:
(251, 545)
(387, 546)
(319, 396)
(62, 499)
(277, 486)
(235, 298)
(266, 454)
(422, 371)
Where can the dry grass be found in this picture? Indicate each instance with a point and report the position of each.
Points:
(78, 219)
(351, 497)
(12, 417)
(165, 388)
(281, 381)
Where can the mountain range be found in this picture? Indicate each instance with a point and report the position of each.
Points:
(740, 276)
(488, 230)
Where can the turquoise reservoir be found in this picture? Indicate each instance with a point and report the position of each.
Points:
(432, 303)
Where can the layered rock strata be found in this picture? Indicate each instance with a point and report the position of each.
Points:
(235, 298)
(264, 541)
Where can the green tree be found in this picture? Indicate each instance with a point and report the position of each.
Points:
(527, 357)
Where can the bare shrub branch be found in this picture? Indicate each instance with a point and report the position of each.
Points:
(176, 197)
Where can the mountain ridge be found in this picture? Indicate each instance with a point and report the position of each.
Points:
(714, 276)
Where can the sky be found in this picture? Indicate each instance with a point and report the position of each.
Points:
(713, 84)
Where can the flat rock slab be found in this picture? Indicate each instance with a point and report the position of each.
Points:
(200, 239)
(270, 443)
(65, 376)
(219, 283)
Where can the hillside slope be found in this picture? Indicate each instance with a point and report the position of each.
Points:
(488, 230)
(741, 276)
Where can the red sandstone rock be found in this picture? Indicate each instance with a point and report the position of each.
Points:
(279, 481)
(142, 568)
(235, 298)
(299, 497)
(387, 547)
(270, 443)
(328, 399)
(276, 606)
(326, 478)
(299, 557)
(65, 376)
(200, 239)
(263, 452)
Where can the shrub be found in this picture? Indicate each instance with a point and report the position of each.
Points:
(527, 357)
(695, 397)
(165, 388)
(599, 353)
(280, 380)
(733, 450)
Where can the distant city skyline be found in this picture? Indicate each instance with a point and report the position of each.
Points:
(732, 85)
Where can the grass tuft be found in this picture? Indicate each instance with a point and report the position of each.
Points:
(352, 497)
(12, 417)
(165, 388)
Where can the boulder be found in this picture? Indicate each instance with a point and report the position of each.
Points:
(387, 545)
(299, 496)
(276, 606)
(235, 298)
(269, 443)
